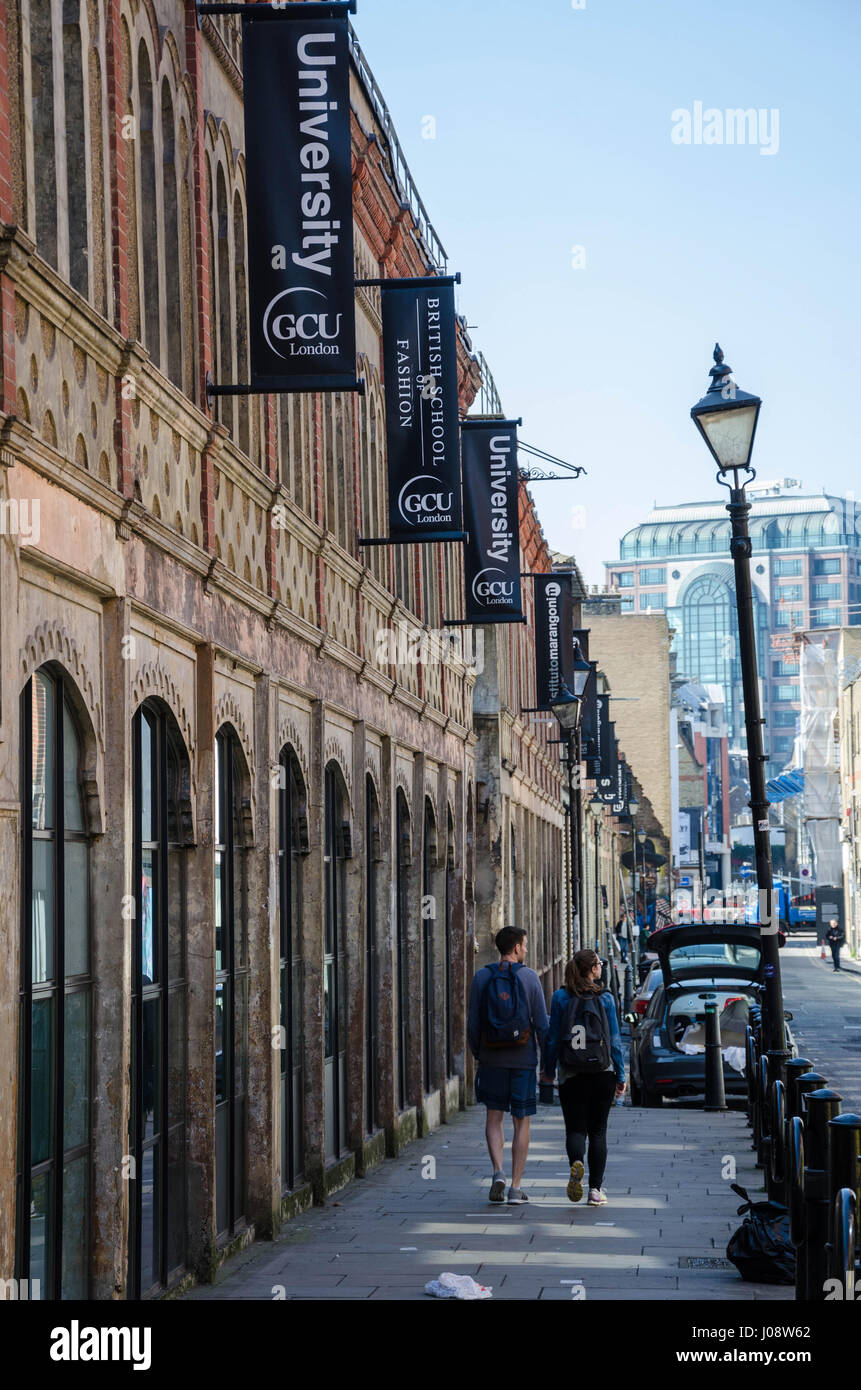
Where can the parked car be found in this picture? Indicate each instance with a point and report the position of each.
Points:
(650, 983)
(697, 964)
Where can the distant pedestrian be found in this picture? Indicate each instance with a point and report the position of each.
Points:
(585, 1042)
(622, 938)
(506, 1026)
(835, 938)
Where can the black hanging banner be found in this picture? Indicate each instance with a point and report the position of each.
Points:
(590, 745)
(296, 84)
(607, 778)
(422, 425)
(492, 552)
(554, 643)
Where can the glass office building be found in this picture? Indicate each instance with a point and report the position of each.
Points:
(806, 570)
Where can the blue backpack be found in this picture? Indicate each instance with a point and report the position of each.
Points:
(505, 1015)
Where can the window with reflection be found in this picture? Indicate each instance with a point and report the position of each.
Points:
(157, 1186)
(336, 832)
(53, 1168)
(428, 920)
(292, 845)
(449, 905)
(372, 983)
(401, 932)
(231, 984)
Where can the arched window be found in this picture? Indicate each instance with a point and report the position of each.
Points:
(157, 1187)
(172, 261)
(148, 206)
(129, 153)
(292, 845)
(44, 151)
(429, 855)
(336, 832)
(372, 986)
(77, 164)
(402, 865)
(231, 983)
(449, 904)
(242, 368)
(53, 1180)
(221, 288)
(430, 585)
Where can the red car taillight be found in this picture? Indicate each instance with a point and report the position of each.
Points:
(640, 1006)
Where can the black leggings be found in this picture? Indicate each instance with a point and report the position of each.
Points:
(586, 1102)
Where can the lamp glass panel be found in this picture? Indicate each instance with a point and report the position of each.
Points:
(567, 712)
(730, 433)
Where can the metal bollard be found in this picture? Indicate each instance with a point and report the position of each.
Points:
(821, 1107)
(715, 1092)
(629, 986)
(844, 1193)
(800, 1087)
(841, 1264)
(795, 1067)
(775, 1176)
(795, 1197)
(750, 1072)
(762, 1136)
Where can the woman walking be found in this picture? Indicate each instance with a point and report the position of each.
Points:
(585, 1043)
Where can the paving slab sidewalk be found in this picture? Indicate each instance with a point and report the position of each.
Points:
(669, 1206)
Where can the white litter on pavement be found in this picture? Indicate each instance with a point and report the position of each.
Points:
(457, 1286)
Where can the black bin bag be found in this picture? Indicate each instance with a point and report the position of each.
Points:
(761, 1249)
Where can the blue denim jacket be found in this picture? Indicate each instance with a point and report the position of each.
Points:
(557, 1012)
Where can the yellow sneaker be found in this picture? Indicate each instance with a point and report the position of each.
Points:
(575, 1182)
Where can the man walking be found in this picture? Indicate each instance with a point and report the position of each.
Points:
(835, 938)
(506, 1024)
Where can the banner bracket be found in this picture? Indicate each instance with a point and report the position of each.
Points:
(441, 536)
(409, 282)
(331, 9)
(488, 420)
(300, 388)
(479, 622)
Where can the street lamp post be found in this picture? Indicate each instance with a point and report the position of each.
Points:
(726, 417)
(640, 838)
(567, 707)
(634, 942)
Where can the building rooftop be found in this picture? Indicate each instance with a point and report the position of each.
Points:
(800, 521)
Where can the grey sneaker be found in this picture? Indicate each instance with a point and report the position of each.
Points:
(596, 1198)
(497, 1190)
(515, 1195)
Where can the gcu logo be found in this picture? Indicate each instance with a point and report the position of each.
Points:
(485, 590)
(287, 327)
(415, 505)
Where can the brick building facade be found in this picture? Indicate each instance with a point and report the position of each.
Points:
(239, 817)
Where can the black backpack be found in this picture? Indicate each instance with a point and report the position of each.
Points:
(505, 1017)
(584, 1040)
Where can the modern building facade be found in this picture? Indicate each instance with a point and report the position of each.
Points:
(239, 800)
(806, 571)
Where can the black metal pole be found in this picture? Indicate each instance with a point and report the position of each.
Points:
(577, 856)
(572, 907)
(773, 1024)
(715, 1090)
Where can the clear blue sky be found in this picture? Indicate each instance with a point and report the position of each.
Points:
(553, 130)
